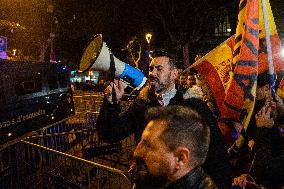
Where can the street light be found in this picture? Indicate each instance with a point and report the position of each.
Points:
(14, 52)
(148, 39)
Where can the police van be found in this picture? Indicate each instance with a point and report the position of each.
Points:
(32, 96)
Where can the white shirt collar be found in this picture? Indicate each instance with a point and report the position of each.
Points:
(164, 99)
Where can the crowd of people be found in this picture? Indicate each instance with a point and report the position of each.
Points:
(179, 143)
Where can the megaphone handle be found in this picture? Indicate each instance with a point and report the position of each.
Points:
(112, 76)
(112, 68)
(114, 99)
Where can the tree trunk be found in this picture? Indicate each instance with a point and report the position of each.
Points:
(185, 50)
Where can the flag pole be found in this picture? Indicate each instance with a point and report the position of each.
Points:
(269, 50)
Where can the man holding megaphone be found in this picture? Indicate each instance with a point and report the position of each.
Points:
(158, 91)
(161, 81)
(113, 126)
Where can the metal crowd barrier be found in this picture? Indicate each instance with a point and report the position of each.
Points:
(29, 165)
(78, 136)
(81, 140)
(87, 101)
(68, 154)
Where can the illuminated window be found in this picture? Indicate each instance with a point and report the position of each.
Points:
(223, 27)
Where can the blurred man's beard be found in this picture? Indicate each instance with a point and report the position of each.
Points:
(158, 86)
(154, 83)
(143, 179)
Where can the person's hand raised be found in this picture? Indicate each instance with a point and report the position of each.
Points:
(118, 86)
(263, 117)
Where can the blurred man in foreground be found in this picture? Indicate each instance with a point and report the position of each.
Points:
(172, 150)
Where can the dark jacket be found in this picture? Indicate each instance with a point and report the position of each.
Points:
(113, 127)
(196, 179)
(269, 157)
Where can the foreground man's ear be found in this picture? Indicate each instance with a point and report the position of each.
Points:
(182, 155)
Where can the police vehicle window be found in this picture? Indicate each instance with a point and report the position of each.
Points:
(28, 84)
(62, 79)
(52, 82)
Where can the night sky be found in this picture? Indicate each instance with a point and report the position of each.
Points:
(75, 22)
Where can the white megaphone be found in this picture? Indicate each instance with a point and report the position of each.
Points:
(97, 57)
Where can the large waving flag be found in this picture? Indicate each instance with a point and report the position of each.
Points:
(215, 69)
(240, 96)
(231, 69)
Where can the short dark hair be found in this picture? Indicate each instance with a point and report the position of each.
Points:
(184, 127)
(166, 53)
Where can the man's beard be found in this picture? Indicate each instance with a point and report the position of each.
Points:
(158, 86)
(143, 179)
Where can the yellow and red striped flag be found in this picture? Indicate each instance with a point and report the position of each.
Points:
(240, 96)
(231, 69)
